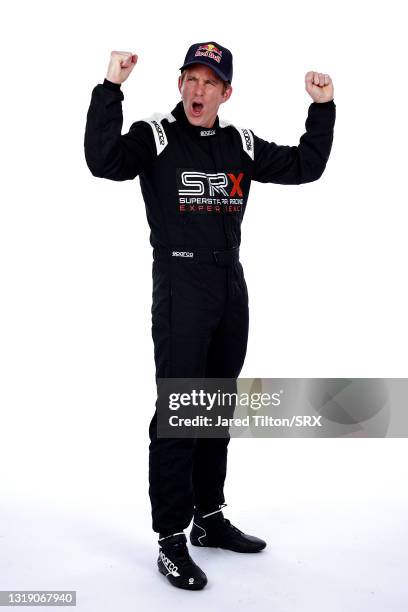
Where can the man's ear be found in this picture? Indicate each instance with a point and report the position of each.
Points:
(179, 83)
(227, 94)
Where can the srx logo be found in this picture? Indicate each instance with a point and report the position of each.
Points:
(200, 183)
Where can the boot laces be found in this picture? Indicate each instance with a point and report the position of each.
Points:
(179, 553)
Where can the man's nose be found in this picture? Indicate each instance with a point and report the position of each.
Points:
(199, 89)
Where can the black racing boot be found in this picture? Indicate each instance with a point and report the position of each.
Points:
(212, 529)
(175, 563)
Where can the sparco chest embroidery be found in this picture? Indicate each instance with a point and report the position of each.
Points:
(207, 132)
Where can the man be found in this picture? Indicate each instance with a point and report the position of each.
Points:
(195, 173)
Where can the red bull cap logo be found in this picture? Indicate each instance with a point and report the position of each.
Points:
(210, 51)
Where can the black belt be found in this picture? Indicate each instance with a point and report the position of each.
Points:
(225, 257)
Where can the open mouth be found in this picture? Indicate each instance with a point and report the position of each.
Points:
(197, 108)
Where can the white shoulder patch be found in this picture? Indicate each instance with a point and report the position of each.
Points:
(246, 137)
(223, 123)
(155, 122)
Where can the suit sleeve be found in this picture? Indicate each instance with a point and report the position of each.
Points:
(304, 163)
(108, 153)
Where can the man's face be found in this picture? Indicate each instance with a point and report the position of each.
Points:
(202, 92)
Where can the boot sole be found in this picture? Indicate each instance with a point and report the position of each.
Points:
(224, 548)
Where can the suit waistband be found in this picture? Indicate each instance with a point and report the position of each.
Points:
(223, 257)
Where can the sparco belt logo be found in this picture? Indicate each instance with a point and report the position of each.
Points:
(210, 192)
(159, 131)
(247, 140)
(182, 254)
(210, 51)
(207, 132)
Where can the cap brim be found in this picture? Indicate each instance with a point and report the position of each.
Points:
(215, 68)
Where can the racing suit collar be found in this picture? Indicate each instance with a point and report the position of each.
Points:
(197, 130)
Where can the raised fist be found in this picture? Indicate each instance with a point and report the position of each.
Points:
(120, 66)
(319, 86)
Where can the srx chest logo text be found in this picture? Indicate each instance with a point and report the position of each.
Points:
(208, 192)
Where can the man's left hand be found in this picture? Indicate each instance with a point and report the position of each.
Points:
(319, 86)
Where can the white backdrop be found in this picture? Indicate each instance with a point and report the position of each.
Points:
(326, 270)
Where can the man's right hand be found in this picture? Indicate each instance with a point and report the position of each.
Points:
(120, 66)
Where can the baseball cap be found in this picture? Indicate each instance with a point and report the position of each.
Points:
(213, 55)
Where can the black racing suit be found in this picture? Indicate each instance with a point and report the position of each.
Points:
(195, 183)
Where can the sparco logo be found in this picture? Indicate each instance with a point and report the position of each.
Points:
(182, 254)
(159, 132)
(169, 565)
(247, 139)
(207, 132)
